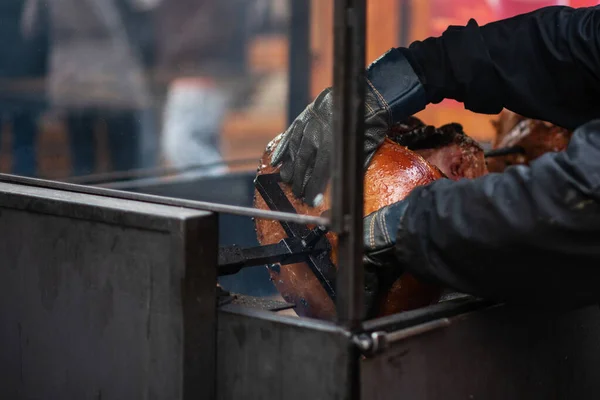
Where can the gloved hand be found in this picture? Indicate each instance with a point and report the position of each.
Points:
(380, 230)
(393, 93)
(382, 267)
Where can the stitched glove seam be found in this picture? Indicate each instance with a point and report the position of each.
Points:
(385, 106)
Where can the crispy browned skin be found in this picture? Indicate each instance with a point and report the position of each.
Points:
(391, 175)
(447, 147)
(534, 136)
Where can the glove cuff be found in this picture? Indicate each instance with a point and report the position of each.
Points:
(396, 86)
(380, 230)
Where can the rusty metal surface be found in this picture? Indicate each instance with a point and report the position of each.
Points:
(496, 353)
(104, 298)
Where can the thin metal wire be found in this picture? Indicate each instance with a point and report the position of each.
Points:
(192, 204)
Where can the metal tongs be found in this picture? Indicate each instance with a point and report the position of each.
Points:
(302, 244)
(288, 251)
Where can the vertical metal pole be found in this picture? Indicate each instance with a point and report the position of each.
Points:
(348, 156)
(347, 170)
(299, 59)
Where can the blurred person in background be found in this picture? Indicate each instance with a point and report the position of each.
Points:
(97, 74)
(24, 56)
(201, 49)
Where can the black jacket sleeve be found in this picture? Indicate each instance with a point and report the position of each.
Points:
(543, 65)
(530, 234)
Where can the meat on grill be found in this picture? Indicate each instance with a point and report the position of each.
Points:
(447, 147)
(392, 174)
(533, 137)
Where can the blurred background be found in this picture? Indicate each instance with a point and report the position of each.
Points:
(97, 86)
(179, 98)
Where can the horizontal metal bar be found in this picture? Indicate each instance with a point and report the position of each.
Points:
(407, 319)
(144, 183)
(397, 336)
(376, 342)
(288, 251)
(110, 177)
(287, 320)
(168, 201)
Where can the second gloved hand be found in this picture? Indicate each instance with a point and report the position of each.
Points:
(380, 230)
(393, 93)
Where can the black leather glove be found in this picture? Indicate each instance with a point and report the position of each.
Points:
(380, 230)
(394, 92)
(382, 267)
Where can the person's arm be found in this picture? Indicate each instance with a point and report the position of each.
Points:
(543, 65)
(530, 234)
